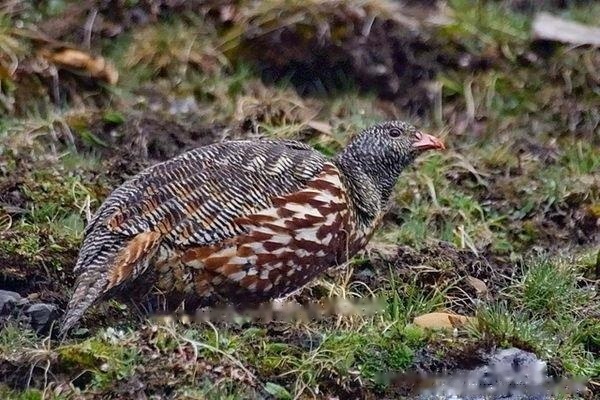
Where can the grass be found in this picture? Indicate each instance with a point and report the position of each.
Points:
(553, 310)
(513, 202)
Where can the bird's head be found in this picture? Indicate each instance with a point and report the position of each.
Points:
(382, 151)
(374, 159)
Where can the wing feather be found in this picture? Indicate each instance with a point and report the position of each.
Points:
(141, 247)
(194, 199)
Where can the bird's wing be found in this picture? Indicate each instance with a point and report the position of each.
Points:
(194, 199)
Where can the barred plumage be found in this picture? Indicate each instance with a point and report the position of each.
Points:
(242, 220)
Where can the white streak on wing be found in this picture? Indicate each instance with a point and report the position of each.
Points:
(192, 264)
(307, 234)
(226, 252)
(302, 210)
(327, 198)
(238, 276)
(333, 179)
(257, 247)
(282, 164)
(281, 251)
(301, 253)
(330, 218)
(270, 212)
(283, 239)
(243, 260)
(264, 274)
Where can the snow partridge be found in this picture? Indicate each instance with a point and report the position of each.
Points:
(242, 221)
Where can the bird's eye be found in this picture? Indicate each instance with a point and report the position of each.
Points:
(395, 132)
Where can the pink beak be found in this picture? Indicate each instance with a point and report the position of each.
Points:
(428, 142)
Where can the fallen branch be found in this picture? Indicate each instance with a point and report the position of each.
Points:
(549, 27)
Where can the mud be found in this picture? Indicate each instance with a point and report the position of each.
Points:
(150, 378)
(37, 279)
(160, 379)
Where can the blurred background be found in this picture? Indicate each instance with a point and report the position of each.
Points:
(503, 227)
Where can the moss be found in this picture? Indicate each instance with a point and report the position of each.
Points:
(108, 360)
(549, 303)
(29, 394)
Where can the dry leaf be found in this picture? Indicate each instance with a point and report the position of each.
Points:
(477, 284)
(320, 126)
(97, 67)
(441, 320)
(5, 73)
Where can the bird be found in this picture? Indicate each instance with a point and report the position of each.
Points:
(242, 221)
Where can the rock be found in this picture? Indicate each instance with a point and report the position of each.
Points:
(8, 301)
(442, 320)
(510, 374)
(42, 316)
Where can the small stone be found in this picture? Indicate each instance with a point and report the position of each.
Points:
(42, 315)
(8, 301)
(509, 374)
(183, 106)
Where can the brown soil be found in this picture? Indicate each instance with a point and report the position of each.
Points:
(151, 138)
(320, 55)
(438, 265)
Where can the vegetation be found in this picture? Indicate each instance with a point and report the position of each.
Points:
(504, 226)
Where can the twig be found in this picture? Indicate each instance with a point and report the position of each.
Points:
(88, 28)
(548, 27)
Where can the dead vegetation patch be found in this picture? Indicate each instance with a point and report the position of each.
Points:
(323, 46)
(319, 47)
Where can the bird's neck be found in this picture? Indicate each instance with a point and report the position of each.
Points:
(370, 193)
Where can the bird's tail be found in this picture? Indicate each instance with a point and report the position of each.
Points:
(106, 261)
(89, 287)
